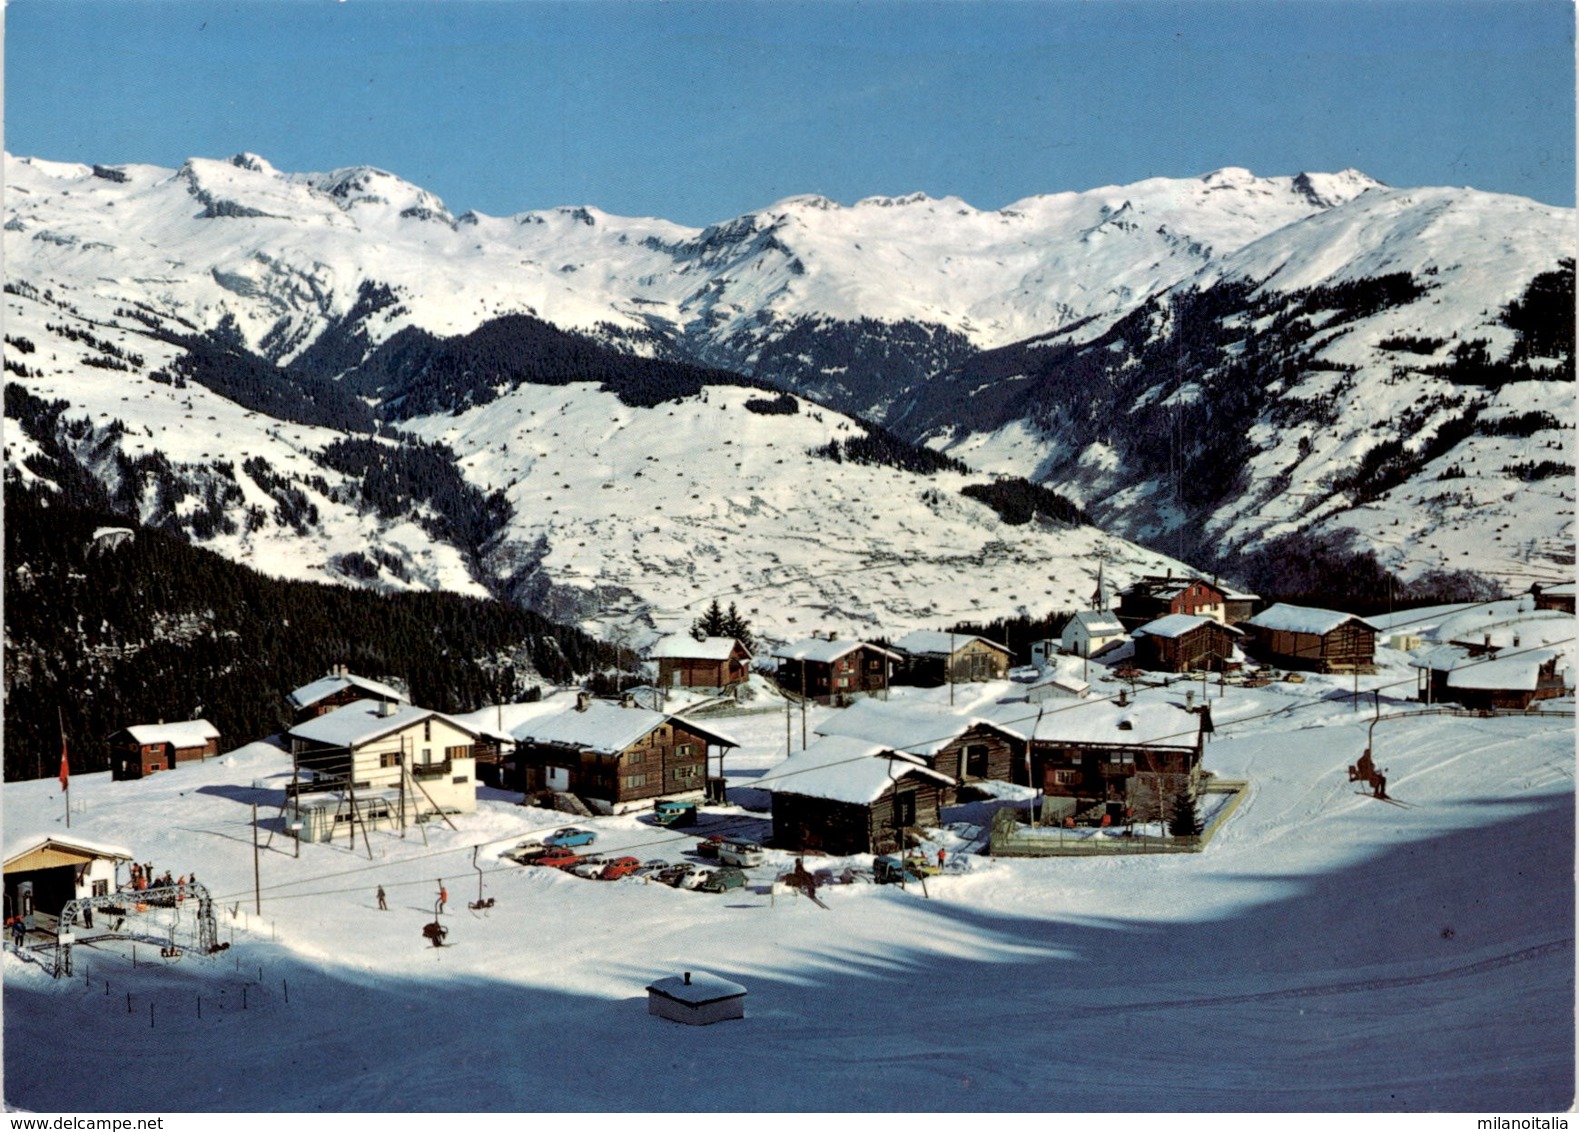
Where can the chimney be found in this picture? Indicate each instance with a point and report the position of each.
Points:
(833, 634)
(627, 699)
(1487, 640)
(688, 978)
(583, 700)
(386, 708)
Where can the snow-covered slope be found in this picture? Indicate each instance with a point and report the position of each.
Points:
(1327, 377)
(1326, 952)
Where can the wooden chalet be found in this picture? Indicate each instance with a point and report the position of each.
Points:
(1487, 682)
(962, 746)
(1317, 640)
(712, 662)
(335, 691)
(1239, 607)
(834, 671)
(145, 748)
(1182, 642)
(1155, 596)
(843, 795)
(932, 657)
(617, 755)
(1114, 759)
(1559, 597)
(45, 873)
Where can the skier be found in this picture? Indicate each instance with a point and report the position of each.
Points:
(444, 897)
(942, 855)
(382, 905)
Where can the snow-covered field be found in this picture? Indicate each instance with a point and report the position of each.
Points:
(1326, 952)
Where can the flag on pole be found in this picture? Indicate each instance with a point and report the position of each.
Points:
(65, 766)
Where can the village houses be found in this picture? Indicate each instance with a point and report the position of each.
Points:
(711, 662)
(145, 748)
(829, 670)
(934, 657)
(1316, 640)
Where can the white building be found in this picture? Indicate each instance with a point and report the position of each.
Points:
(1088, 633)
(419, 760)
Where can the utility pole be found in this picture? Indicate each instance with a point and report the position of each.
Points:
(257, 890)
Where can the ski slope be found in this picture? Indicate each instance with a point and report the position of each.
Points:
(1327, 951)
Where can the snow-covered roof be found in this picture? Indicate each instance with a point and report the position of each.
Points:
(926, 642)
(1304, 619)
(1151, 722)
(1098, 622)
(702, 988)
(1053, 678)
(190, 733)
(1520, 672)
(362, 722)
(1165, 587)
(324, 687)
(683, 646)
(501, 720)
(1178, 624)
(913, 726)
(1505, 624)
(604, 728)
(1561, 589)
(28, 843)
(824, 652)
(843, 768)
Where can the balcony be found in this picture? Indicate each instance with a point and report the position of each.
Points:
(432, 770)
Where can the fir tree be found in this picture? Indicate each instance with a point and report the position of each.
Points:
(1185, 818)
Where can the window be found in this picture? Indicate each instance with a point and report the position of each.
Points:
(462, 752)
(634, 757)
(685, 751)
(389, 759)
(427, 755)
(101, 888)
(687, 773)
(976, 760)
(633, 781)
(1122, 758)
(1066, 777)
(459, 780)
(427, 731)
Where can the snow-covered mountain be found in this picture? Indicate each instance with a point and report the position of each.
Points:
(239, 324)
(623, 507)
(796, 291)
(1396, 373)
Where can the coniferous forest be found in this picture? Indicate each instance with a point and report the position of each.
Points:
(157, 629)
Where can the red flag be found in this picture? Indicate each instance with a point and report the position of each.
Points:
(65, 766)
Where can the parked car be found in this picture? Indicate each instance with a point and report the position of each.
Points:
(556, 857)
(723, 880)
(741, 854)
(890, 870)
(693, 877)
(619, 867)
(674, 813)
(589, 868)
(570, 835)
(709, 846)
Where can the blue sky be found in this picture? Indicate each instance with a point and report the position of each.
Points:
(699, 111)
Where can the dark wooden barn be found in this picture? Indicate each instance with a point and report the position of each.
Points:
(1316, 640)
(844, 796)
(1181, 642)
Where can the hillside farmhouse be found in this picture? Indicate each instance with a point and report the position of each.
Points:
(617, 756)
(1317, 640)
(844, 795)
(830, 670)
(1111, 758)
(712, 662)
(1155, 596)
(963, 747)
(335, 691)
(1489, 682)
(1559, 597)
(149, 747)
(1183, 642)
(933, 657)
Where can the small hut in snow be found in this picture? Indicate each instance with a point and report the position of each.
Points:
(696, 998)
